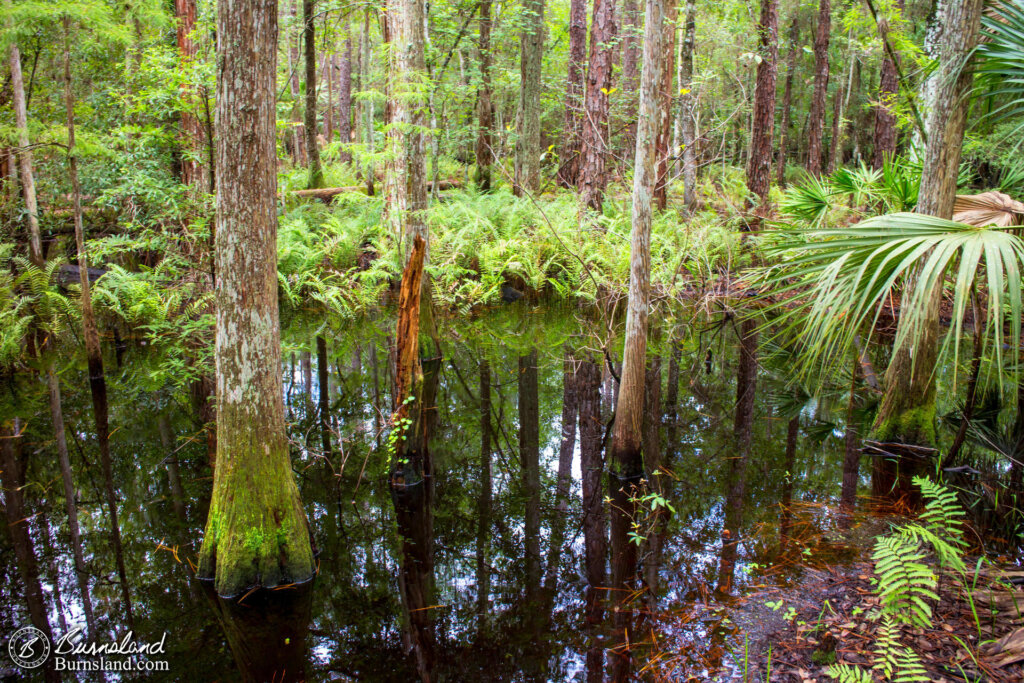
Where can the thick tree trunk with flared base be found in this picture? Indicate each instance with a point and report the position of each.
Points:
(256, 532)
(907, 412)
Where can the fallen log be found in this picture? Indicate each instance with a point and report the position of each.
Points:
(326, 194)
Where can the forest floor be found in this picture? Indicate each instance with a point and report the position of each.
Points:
(828, 619)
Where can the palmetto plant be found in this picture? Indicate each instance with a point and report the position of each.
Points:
(836, 281)
(1000, 59)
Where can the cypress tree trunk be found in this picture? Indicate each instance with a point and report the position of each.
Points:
(662, 145)
(527, 153)
(570, 152)
(687, 104)
(484, 108)
(626, 456)
(834, 142)
(888, 92)
(907, 412)
(816, 122)
(256, 532)
(759, 169)
(28, 182)
(345, 100)
(97, 382)
(593, 177)
(70, 501)
(787, 103)
(316, 173)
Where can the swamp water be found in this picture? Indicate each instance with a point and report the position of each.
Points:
(508, 592)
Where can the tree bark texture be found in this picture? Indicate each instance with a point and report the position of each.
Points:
(316, 173)
(527, 151)
(28, 182)
(484, 108)
(816, 121)
(787, 103)
(257, 533)
(593, 176)
(888, 92)
(193, 136)
(345, 99)
(687, 107)
(568, 172)
(759, 168)
(663, 147)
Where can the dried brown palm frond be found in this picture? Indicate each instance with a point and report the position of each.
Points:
(988, 208)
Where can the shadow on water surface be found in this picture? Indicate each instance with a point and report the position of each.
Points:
(500, 569)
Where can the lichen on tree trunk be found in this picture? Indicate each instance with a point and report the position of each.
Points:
(256, 532)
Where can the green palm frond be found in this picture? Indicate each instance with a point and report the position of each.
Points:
(1001, 59)
(836, 281)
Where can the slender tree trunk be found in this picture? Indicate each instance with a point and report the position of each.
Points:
(97, 382)
(368, 102)
(316, 173)
(595, 532)
(483, 507)
(851, 460)
(787, 102)
(664, 136)
(529, 453)
(593, 176)
(632, 27)
(298, 128)
(835, 143)
(572, 130)
(70, 499)
(907, 412)
(345, 100)
(816, 125)
(563, 479)
(626, 456)
(409, 110)
(257, 533)
(28, 182)
(527, 157)
(327, 79)
(12, 478)
(687, 108)
(193, 137)
(651, 440)
(885, 119)
(484, 108)
(323, 380)
(759, 169)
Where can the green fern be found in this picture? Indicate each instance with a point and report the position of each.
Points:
(905, 583)
(847, 673)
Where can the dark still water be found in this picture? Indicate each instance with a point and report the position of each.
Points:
(505, 581)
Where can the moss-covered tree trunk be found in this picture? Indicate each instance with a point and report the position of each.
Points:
(907, 412)
(256, 533)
